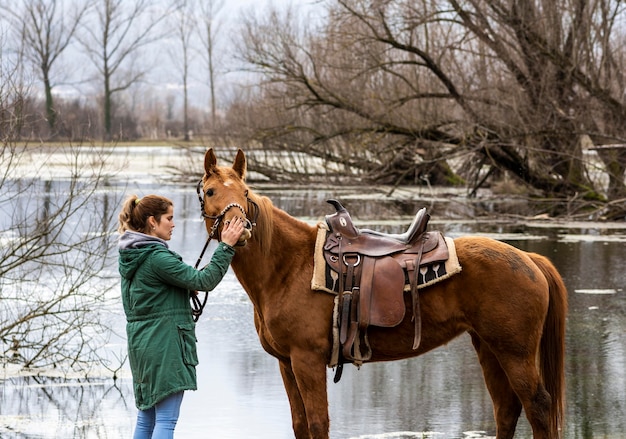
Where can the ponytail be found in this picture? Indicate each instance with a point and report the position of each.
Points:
(136, 211)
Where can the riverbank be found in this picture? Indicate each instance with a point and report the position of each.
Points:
(120, 163)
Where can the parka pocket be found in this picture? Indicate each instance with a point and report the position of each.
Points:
(187, 335)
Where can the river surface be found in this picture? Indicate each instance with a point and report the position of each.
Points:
(438, 395)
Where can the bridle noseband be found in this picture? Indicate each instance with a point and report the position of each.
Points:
(218, 218)
(197, 306)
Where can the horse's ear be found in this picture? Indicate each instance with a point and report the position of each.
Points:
(210, 161)
(239, 165)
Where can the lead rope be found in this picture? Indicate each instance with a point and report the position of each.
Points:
(197, 305)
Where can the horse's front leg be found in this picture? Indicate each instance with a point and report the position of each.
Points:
(298, 413)
(305, 381)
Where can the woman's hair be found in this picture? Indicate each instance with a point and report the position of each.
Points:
(136, 211)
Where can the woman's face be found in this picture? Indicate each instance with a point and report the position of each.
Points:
(163, 228)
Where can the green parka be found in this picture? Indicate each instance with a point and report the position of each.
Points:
(156, 285)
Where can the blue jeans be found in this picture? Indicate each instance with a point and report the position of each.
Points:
(158, 422)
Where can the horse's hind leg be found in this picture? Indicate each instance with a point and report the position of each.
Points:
(525, 381)
(506, 405)
(508, 371)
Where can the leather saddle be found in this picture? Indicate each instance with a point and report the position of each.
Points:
(371, 270)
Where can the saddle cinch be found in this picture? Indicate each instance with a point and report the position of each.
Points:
(372, 269)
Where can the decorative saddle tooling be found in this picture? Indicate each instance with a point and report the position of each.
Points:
(369, 272)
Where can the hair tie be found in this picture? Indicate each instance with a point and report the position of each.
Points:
(137, 200)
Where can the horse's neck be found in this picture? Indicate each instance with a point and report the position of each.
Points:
(290, 248)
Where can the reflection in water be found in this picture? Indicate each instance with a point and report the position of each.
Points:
(438, 395)
(429, 393)
(43, 407)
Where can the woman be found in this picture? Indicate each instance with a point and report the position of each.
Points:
(156, 287)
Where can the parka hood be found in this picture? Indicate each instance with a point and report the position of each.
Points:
(134, 248)
(130, 239)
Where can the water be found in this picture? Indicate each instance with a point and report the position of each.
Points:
(438, 395)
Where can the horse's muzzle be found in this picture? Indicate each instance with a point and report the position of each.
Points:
(246, 234)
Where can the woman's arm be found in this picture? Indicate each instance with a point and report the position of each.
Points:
(170, 269)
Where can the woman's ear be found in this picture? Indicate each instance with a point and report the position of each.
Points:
(152, 222)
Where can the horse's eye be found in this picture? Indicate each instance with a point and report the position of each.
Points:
(209, 193)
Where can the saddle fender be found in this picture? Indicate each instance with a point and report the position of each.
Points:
(381, 300)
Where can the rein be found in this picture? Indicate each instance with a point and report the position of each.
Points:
(197, 305)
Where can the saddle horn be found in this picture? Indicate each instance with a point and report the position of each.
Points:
(337, 205)
(341, 221)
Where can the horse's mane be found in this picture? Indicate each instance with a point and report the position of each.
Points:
(264, 223)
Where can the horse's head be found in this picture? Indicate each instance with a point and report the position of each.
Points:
(223, 196)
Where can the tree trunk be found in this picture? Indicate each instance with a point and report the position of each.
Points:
(50, 111)
(107, 107)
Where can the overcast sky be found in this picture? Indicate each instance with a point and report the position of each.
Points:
(165, 78)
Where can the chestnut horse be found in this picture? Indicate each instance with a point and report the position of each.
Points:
(512, 303)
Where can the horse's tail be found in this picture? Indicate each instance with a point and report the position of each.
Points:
(552, 347)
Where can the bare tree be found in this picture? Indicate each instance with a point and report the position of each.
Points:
(56, 237)
(387, 87)
(113, 39)
(334, 94)
(45, 29)
(564, 63)
(54, 264)
(184, 29)
(209, 30)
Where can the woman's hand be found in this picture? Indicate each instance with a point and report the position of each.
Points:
(232, 231)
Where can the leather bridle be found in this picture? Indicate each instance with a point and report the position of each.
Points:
(197, 305)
